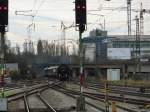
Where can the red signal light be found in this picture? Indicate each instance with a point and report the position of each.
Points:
(83, 7)
(78, 7)
(5, 8)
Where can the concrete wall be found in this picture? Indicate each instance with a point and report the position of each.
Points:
(144, 68)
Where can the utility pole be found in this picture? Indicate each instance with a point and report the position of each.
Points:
(63, 38)
(81, 99)
(64, 28)
(142, 12)
(2, 59)
(138, 47)
(80, 16)
(30, 27)
(129, 16)
(3, 29)
(106, 98)
(141, 21)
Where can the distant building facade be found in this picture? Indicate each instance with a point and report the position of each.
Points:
(97, 43)
(104, 43)
(117, 52)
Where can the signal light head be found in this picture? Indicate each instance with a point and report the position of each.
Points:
(5, 8)
(3, 12)
(83, 7)
(78, 7)
(80, 11)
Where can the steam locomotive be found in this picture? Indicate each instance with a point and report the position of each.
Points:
(62, 72)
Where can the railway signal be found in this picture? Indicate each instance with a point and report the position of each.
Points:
(80, 11)
(3, 12)
(80, 18)
(3, 25)
(80, 15)
(106, 98)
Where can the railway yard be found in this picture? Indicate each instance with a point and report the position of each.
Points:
(74, 56)
(61, 96)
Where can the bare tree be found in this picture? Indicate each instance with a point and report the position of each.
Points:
(40, 48)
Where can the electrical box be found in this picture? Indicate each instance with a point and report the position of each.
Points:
(3, 104)
(113, 74)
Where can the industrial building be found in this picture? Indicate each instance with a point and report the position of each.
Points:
(101, 48)
(100, 43)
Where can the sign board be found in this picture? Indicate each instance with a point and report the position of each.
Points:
(12, 66)
(3, 104)
(113, 74)
(119, 53)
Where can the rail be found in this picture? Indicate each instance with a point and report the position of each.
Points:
(27, 108)
(71, 93)
(46, 103)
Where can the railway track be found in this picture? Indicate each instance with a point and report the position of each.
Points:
(25, 94)
(27, 108)
(120, 87)
(20, 85)
(118, 90)
(117, 85)
(46, 103)
(75, 94)
(123, 96)
(121, 99)
(48, 107)
(31, 90)
(130, 87)
(28, 105)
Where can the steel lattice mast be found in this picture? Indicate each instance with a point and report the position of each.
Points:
(138, 46)
(129, 16)
(141, 21)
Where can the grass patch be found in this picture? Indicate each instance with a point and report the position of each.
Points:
(7, 93)
(134, 83)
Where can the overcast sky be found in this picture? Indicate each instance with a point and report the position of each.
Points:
(49, 14)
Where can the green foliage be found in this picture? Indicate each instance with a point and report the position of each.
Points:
(7, 93)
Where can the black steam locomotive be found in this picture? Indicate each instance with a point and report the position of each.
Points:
(61, 72)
